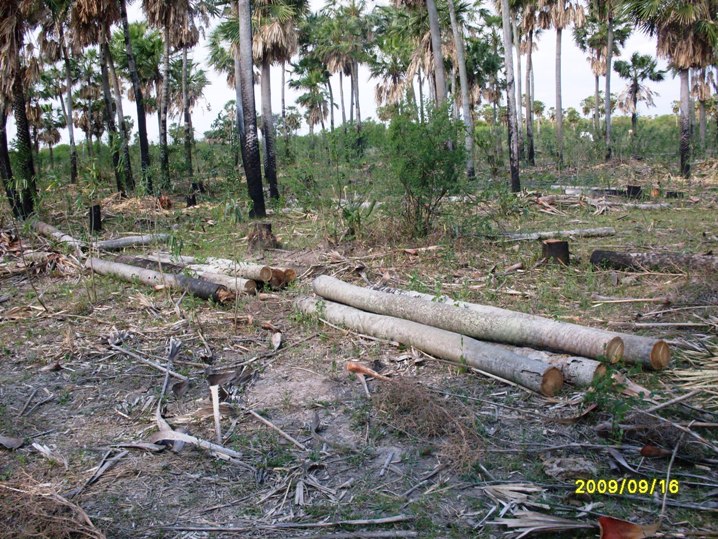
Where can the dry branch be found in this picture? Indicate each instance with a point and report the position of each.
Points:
(454, 347)
(502, 325)
(197, 287)
(53, 233)
(658, 261)
(553, 234)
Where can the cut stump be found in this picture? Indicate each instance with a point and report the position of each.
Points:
(556, 250)
(261, 237)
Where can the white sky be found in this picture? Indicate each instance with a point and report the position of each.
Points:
(577, 82)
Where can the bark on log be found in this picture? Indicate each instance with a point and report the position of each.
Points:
(578, 371)
(530, 373)
(256, 272)
(53, 233)
(553, 234)
(197, 287)
(641, 350)
(238, 285)
(130, 241)
(659, 261)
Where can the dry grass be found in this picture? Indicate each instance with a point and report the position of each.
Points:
(38, 511)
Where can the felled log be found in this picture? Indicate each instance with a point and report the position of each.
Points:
(578, 371)
(238, 285)
(197, 287)
(278, 277)
(53, 233)
(553, 234)
(601, 203)
(530, 373)
(130, 241)
(657, 261)
(640, 350)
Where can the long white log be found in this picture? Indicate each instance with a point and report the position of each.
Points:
(256, 272)
(53, 233)
(646, 351)
(578, 371)
(551, 234)
(530, 373)
(130, 241)
(198, 287)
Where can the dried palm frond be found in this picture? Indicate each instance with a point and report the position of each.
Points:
(528, 522)
(702, 374)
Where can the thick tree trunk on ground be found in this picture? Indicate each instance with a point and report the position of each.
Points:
(579, 371)
(458, 32)
(270, 157)
(137, 88)
(481, 322)
(511, 98)
(252, 162)
(454, 347)
(640, 350)
(196, 287)
(665, 261)
(435, 30)
(238, 285)
(131, 241)
(685, 143)
(553, 234)
(53, 233)
(255, 272)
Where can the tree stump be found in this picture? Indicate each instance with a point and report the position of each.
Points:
(95, 215)
(191, 200)
(634, 191)
(261, 237)
(674, 194)
(556, 250)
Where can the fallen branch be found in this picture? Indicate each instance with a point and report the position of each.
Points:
(502, 325)
(658, 261)
(197, 287)
(276, 428)
(552, 234)
(149, 362)
(53, 233)
(448, 345)
(175, 436)
(130, 241)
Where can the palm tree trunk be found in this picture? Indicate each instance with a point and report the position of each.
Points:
(355, 82)
(519, 92)
(634, 114)
(421, 96)
(596, 105)
(5, 166)
(239, 110)
(252, 164)
(341, 99)
(685, 143)
(351, 95)
(108, 115)
(702, 125)
(331, 103)
(559, 109)
(124, 132)
(511, 99)
(607, 97)
(435, 30)
(25, 166)
(285, 131)
(164, 150)
(270, 157)
(452, 93)
(529, 102)
(139, 103)
(70, 126)
(187, 119)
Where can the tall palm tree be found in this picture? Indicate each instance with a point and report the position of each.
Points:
(687, 32)
(528, 27)
(139, 101)
(5, 165)
(252, 163)
(641, 67)
(18, 18)
(435, 30)
(511, 98)
(701, 92)
(559, 14)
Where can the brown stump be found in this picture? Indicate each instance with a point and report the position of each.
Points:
(674, 194)
(556, 250)
(634, 191)
(95, 215)
(261, 237)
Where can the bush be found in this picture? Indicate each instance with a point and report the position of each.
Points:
(427, 160)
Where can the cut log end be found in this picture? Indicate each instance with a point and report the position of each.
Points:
(660, 355)
(614, 350)
(600, 372)
(224, 296)
(265, 274)
(556, 250)
(551, 382)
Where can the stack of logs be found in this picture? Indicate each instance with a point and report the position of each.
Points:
(457, 331)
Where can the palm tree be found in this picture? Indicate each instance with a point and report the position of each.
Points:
(251, 143)
(314, 100)
(18, 18)
(641, 67)
(511, 98)
(559, 14)
(528, 26)
(687, 35)
(139, 101)
(701, 91)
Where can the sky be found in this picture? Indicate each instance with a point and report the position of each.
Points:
(577, 82)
